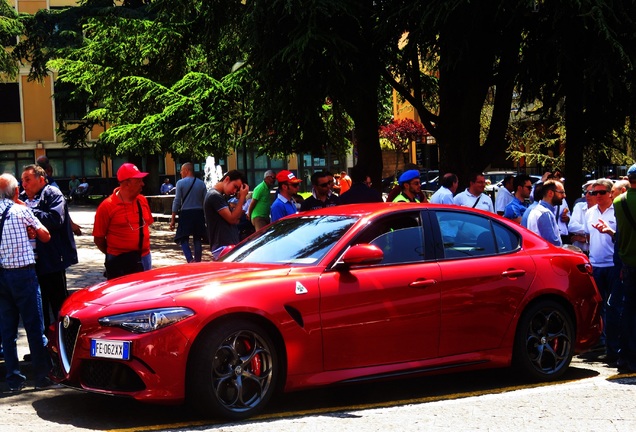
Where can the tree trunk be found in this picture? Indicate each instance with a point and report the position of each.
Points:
(463, 88)
(575, 123)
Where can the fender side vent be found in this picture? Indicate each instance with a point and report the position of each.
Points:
(296, 315)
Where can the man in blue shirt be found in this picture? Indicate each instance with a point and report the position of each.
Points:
(284, 204)
(541, 219)
(166, 187)
(515, 209)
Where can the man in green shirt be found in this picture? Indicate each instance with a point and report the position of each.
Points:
(258, 211)
(625, 212)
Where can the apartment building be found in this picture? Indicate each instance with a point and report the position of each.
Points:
(29, 117)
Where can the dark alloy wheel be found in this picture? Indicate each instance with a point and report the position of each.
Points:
(233, 370)
(544, 343)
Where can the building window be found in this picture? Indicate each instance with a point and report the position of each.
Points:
(10, 106)
(257, 166)
(12, 162)
(77, 162)
(311, 164)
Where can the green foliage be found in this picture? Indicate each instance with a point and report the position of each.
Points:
(158, 74)
(10, 28)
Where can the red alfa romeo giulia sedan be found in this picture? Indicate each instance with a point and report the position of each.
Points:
(345, 294)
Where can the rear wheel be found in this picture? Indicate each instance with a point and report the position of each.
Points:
(233, 370)
(544, 342)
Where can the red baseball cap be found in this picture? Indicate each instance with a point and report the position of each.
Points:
(129, 171)
(285, 176)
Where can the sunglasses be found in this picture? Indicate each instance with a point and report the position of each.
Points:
(600, 192)
(325, 184)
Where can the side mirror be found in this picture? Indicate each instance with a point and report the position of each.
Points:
(361, 254)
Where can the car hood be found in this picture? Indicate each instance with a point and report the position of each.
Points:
(171, 282)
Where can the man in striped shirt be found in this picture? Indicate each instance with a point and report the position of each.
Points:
(19, 288)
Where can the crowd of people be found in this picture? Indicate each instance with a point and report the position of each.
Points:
(37, 243)
(36, 248)
(600, 226)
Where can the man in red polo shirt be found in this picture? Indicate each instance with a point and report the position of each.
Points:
(122, 220)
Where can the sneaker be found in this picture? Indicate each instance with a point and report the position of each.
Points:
(16, 388)
(46, 384)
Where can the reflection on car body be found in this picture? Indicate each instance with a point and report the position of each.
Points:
(345, 294)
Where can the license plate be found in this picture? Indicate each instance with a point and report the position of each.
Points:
(110, 349)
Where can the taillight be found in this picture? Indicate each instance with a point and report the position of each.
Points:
(585, 268)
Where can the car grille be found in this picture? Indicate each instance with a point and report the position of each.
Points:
(109, 375)
(68, 338)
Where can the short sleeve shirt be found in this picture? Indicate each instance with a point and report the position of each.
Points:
(118, 222)
(443, 195)
(466, 199)
(515, 209)
(263, 201)
(15, 249)
(220, 232)
(282, 207)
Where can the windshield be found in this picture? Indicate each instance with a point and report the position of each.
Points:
(300, 240)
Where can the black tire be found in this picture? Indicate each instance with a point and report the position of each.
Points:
(233, 370)
(544, 342)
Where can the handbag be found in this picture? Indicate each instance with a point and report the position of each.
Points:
(128, 262)
(124, 264)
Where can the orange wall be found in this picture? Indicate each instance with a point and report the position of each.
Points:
(31, 6)
(37, 110)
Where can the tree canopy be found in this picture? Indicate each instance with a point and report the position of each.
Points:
(312, 75)
(10, 29)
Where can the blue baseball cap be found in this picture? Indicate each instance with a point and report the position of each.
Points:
(631, 170)
(409, 175)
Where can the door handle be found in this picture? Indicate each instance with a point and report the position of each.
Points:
(513, 273)
(422, 283)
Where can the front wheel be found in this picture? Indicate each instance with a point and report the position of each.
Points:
(233, 370)
(544, 342)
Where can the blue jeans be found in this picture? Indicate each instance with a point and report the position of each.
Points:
(20, 297)
(146, 261)
(614, 314)
(198, 250)
(606, 279)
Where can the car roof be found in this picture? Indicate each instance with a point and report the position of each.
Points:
(376, 209)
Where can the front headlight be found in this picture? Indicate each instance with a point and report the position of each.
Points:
(147, 320)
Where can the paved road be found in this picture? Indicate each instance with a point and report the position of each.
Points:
(594, 398)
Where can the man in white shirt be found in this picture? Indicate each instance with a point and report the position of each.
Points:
(448, 186)
(474, 195)
(600, 224)
(576, 226)
(505, 194)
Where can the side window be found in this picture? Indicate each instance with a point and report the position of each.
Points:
(400, 237)
(507, 241)
(468, 235)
